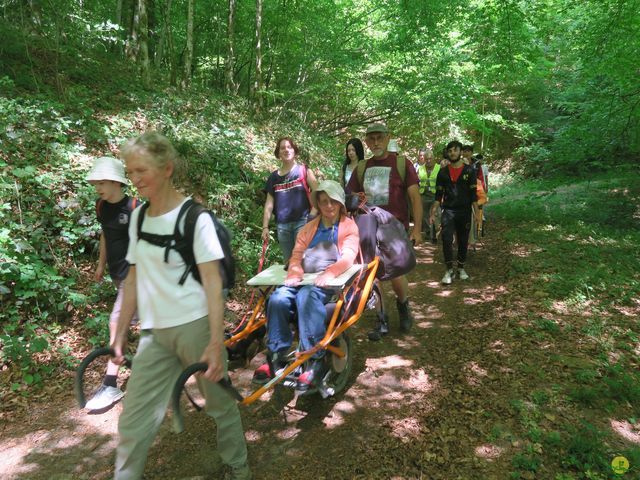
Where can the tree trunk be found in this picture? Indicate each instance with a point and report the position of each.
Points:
(230, 86)
(152, 29)
(482, 138)
(271, 48)
(36, 15)
(158, 57)
(117, 48)
(258, 85)
(171, 47)
(188, 58)
(143, 43)
(165, 41)
(219, 77)
(131, 42)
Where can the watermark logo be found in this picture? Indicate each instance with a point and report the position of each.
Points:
(620, 465)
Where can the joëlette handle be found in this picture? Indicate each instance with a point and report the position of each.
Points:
(79, 382)
(225, 383)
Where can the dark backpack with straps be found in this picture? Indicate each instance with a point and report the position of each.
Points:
(182, 242)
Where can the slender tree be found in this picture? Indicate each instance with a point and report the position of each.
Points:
(143, 43)
(132, 20)
(188, 58)
(258, 84)
(230, 86)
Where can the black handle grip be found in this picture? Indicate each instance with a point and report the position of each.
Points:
(225, 383)
(79, 382)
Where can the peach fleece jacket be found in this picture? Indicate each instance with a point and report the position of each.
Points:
(348, 247)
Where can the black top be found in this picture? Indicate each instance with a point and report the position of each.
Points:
(114, 219)
(458, 195)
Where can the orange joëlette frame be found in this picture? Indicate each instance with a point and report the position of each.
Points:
(334, 329)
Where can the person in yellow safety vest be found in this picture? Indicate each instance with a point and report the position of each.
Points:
(427, 170)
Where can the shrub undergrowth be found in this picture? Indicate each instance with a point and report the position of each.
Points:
(49, 235)
(575, 240)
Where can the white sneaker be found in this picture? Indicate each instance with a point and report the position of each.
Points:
(448, 277)
(104, 397)
(462, 274)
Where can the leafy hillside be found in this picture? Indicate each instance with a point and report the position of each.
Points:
(49, 235)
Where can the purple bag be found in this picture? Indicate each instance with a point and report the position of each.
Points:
(383, 235)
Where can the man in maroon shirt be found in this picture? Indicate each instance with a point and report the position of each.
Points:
(384, 187)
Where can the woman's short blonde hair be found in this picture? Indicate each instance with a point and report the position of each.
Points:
(154, 146)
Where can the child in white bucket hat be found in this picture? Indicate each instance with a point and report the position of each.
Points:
(113, 210)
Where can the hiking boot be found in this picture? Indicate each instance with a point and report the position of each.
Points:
(406, 319)
(275, 363)
(104, 397)
(312, 376)
(380, 330)
(448, 277)
(462, 275)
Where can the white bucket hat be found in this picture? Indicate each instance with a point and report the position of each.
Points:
(107, 168)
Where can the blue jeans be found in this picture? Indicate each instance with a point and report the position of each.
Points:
(309, 302)
(287, 233)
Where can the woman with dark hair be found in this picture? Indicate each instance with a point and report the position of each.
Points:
(354, 152)
(288, 196)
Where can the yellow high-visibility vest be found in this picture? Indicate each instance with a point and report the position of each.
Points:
(428, 181)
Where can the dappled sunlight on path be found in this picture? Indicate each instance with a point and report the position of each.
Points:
(447, 400)
(626, 430)
(78, 444)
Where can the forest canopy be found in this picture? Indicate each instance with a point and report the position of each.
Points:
(540, 85)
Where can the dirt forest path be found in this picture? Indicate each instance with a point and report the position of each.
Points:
(420, 405)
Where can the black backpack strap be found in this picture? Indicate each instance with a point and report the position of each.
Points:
(143, 210)
(164, 241)
(184, 240)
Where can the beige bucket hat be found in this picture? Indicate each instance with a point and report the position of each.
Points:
(107, 168)
(331, 188)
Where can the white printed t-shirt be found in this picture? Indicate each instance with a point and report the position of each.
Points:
(376, 185)
(162, 302)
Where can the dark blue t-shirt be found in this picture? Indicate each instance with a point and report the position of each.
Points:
(290, 201)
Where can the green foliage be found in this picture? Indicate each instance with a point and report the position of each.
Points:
(49, 234)
(585, 449)
(44, 229)
(548, 84)
(526, 461)
(589, 251)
